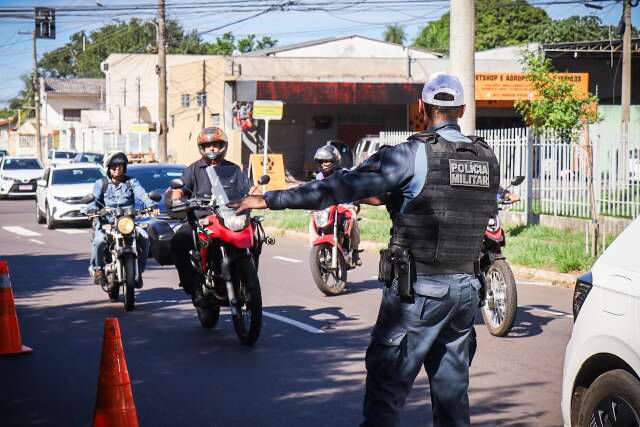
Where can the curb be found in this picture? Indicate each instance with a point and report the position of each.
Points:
(544, 277)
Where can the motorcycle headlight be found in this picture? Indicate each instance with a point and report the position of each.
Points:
(126, 225)
(232, 221)
(321, 218)
(494, 224)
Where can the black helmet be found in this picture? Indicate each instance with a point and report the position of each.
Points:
(116, 157)
(210, 135)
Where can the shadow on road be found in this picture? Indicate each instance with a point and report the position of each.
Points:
(185, 375)
(527, 324)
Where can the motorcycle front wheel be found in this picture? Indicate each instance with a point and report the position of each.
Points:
(248, 320)
(129, 283)
(501, 305)
(208, 316)
(330, 282)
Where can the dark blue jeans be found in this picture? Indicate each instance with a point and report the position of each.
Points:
(432, 330)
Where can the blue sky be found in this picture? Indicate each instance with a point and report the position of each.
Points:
(286, 27)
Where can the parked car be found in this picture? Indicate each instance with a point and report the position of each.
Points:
(601, 385)
(57, 157)
(365, 147)
(60, 191)
(155, 176)
(18, 175)
(84, 157)
(3, 153)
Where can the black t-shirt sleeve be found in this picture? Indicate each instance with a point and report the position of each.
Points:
(188, 178)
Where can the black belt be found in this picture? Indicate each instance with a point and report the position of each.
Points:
(432, 269)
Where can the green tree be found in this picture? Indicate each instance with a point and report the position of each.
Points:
(577, 28)
(24, 99)
(395, 34)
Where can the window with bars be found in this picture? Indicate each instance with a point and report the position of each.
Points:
(185, 101)
(202, 98)
(71, 114)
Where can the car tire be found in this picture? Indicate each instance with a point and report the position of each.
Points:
(614, 397)
(51, 223)
(39, 217)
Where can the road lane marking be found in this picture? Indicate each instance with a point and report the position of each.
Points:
(281, 258)
(71, 231)
(21, 231)
(37, 241)
(544, 310)
(292, 322)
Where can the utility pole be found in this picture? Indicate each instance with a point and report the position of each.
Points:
(162, 83)
(462, 56)
(36, 99)
(201, 96)
(626, 65)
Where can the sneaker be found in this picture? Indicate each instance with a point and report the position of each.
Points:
(98, 277)
(139, 283)
(355, 258)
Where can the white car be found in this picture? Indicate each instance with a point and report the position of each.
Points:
(60, 192)
(18, 175)
(365, 147)
(60, 157)
(601, 385)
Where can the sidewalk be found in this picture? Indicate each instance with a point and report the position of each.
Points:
(545, 277)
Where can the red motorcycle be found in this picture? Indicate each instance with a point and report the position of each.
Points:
(226, 262)
(500, 292)
(332, 251)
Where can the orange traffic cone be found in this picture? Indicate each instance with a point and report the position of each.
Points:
(114, 404)
(10, 341)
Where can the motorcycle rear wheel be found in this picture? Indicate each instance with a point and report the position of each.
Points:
(501, 286)
(248, 320)
(208, 316)
(330, 283)
(130, 283)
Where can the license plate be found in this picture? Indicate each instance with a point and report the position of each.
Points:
(25, 187)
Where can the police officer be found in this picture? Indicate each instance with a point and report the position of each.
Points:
(440, 188)
(212, 144)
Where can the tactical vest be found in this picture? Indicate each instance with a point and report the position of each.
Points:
(443, 226)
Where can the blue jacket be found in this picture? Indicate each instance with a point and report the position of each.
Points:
(122, 194)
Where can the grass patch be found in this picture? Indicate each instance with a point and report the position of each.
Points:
(534, 246)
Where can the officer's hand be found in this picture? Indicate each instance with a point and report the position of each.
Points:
(249, 202)
(255, 190)
(177, 194)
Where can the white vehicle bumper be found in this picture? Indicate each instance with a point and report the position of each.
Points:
(568, 379)
(17, 188)
(70, 212)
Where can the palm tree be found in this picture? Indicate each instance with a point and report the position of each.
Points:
(395, 34)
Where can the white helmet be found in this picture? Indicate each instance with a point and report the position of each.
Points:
(115, 157)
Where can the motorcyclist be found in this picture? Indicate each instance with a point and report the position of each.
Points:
(212, 144)
(117, 190)
(329, 158)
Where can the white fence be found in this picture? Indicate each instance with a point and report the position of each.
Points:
(559, 170)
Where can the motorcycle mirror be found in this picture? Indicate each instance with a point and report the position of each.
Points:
(155, 196)
(88, 199)
(517, 180)
(264, 180)
(177, 184)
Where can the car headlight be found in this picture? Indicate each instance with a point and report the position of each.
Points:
(126, 225)
(584, 284)
(7, 180)
(321, 218)
(232, 221)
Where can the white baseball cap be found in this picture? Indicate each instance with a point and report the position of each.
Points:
(443, 83)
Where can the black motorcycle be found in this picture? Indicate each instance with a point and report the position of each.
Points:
(121, 252)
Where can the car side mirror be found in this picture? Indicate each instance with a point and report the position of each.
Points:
(517, 180)
(264, 180)
(42, 183)
(155, 196)
(88, 199)
(177, 184)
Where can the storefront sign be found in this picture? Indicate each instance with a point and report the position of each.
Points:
(267, 110)
(515, 86)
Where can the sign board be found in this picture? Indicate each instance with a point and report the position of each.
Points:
(140, 127)
(268, 110)
(45, 22)
(515, 86)
(275, 170)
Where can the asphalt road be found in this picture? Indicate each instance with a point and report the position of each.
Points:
(308, 373)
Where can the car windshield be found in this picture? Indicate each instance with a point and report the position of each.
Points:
(76, 176)
(17, 164)
(64, 155)
(92, 158)
(155, 179)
